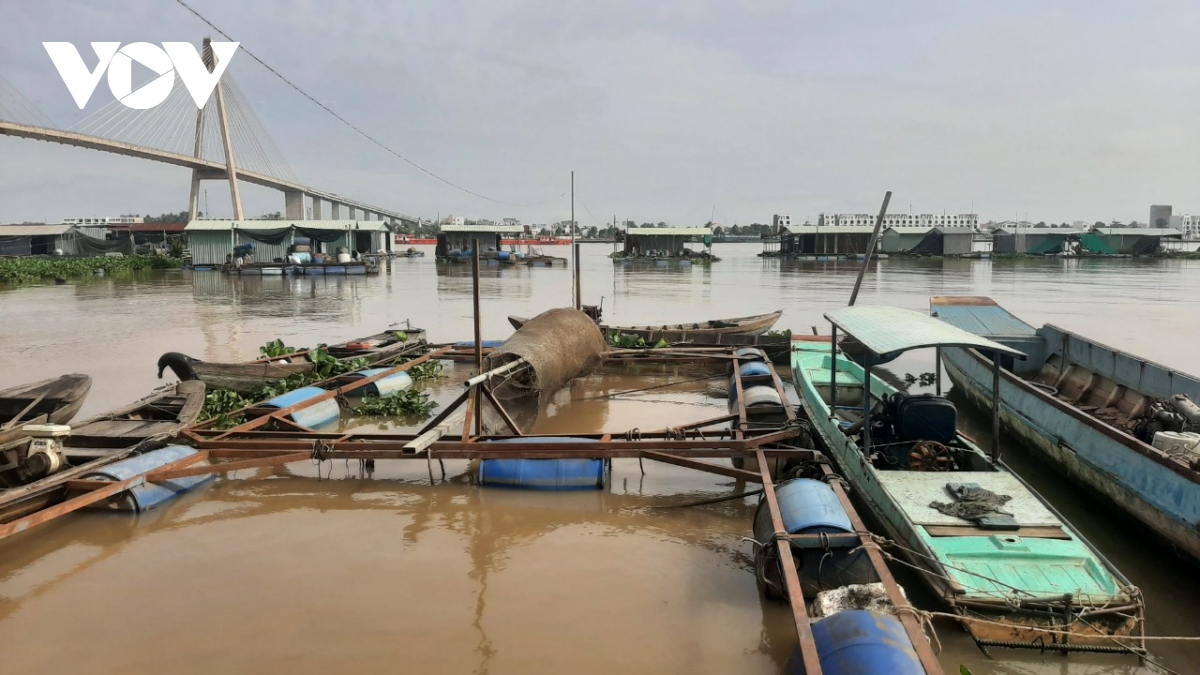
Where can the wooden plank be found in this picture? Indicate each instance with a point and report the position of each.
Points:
(808, 646)
(1030, 531)
(698, 465)
(224, 467)
(86, 499)
(83, 485)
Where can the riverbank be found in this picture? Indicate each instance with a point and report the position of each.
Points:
(17, 271)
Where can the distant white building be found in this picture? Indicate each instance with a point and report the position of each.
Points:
(1188, 225)
(924, 221)
(778, 221)
(103, 221)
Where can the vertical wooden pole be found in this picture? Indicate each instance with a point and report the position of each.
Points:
(478, 332)
(871, 246)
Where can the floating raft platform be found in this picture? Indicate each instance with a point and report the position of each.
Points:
(826, 640)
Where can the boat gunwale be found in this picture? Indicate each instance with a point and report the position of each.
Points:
(940, 580)
(1126, 439)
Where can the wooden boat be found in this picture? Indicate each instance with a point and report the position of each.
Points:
(251, 376)
(52, 401)
(998, 554)
(1091, 411)
(107, 437)
(688, 332)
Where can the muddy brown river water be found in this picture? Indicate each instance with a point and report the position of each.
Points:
(307, 569)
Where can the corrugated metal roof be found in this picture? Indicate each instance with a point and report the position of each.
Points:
(831, 229)
(226, 225)
(955, 230)
(33, 230)
(495, 229)
(888, 331)
(156, 227)
(978, 315)
(1038, 230)
(1138, 231)
(909, 230)
(669, 231)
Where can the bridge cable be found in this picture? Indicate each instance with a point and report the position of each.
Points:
(346, 122)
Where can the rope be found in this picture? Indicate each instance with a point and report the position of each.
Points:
(926, 621)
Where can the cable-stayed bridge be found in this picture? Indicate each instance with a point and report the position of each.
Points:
(224, 141)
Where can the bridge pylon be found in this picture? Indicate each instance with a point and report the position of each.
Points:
(230, 172)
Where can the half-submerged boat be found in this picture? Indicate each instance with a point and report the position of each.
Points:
(51, 453)
(684, 332)
(52, 401)
(251, 376)
(1014, 571)
(1115, 422)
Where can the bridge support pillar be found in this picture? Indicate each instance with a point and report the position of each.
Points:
(335, 211)
(293, 205)
(316, 208)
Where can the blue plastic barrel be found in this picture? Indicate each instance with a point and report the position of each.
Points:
(384, 386)
(751, 354)
(752, 373)
(316, 415)
(503, 255)
(543, 474)
(487, 344)
(860, 641)
(811, 506)
(145, 497)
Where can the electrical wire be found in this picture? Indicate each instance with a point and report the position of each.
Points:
(346, 122)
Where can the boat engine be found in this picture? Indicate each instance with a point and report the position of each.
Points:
(1176, 414)
(45, 454)
(914, 432)
(1188, 409)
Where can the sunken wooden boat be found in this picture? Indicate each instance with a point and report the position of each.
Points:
(1011, 567)
(688, 332)
(29, 484)
(52, 401)
(250, 377)
(1091, 411)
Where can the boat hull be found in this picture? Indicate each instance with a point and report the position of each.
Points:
(1087, 451)
(698, 332)
(246, 378)
(946, 561)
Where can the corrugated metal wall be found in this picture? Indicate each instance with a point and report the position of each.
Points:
(209, 247)
(957, 244)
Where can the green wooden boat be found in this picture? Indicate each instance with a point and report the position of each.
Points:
(1013, 569)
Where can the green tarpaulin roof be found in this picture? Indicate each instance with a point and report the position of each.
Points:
(888, 331)
(1095, 243)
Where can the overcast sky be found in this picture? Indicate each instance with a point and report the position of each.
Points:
(1066, 110)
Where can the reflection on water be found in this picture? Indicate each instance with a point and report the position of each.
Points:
(373, 573)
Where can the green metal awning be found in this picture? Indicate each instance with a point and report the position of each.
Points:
(889, 331)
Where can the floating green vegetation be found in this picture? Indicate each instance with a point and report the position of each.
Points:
(219, 404)
(276, 347)
(407, 403)
(33, 270)
(779, 333)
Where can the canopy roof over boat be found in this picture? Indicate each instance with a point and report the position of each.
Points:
(890, 331)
